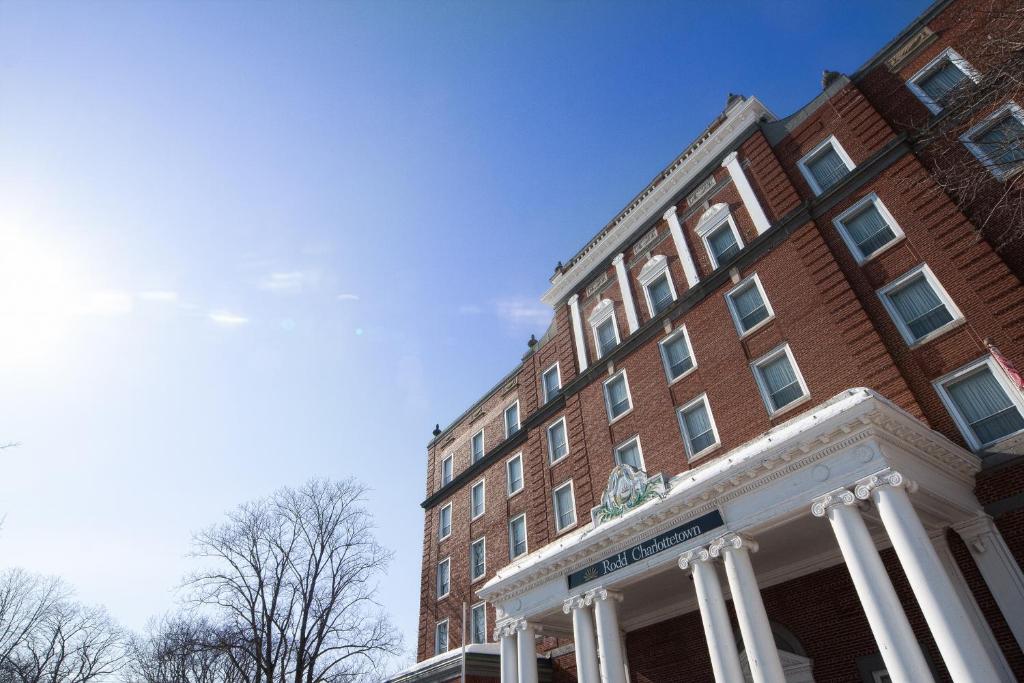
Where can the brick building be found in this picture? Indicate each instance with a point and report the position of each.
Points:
(769, 434)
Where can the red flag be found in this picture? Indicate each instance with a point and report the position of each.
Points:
(1006, 365)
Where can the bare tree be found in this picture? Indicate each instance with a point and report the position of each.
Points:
(181, 648)
(292, 579)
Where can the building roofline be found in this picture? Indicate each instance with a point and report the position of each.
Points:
(921, 20)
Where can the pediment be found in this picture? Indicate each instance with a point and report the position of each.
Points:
(653, 268)
(602, 310)
(714, 215)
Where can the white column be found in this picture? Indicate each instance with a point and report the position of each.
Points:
(627, 293)
(758, 641)
(584, 637)
(577, 331)
(725, 658)
(998, 567)
(950, 625)
(689, 269)
(506, 635)
(896, 641)
(609, 638)
(526, 641)
(739, 178)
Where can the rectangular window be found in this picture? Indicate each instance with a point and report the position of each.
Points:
(660, 293)
(998, 141)
(630, 454)
(445, 523)
(607, 337)
(919, 305)
(676, 354)
(698, 425)
(616, 396)
(552, 382)
(558, 441)
(940, 79)
(514, 472)
(446, 470)
(749, 305)
(986, 405)
(723, 242)
(444, 577)
(565, 506)
(512, 419)
(478, 559)
(868, 228)
(779, 379)
(656, 281)
(825, 165)
(478, 623)
(441, 637)
(478, 445)
(517, 537)
(477, 499)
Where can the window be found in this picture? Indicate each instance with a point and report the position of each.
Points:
(517, 537)
(987, 407)
(657, 283)
(478, 559)
(478, 623)
(940, 77)
(825, 165)
(558, 441)
(919, 305)
(441, 637)
(512, 419)
(445, 523)
(868, 228)
(779, 380)
(721, 237)
(603, 324)
(444, 577)
(565, 506)
(552, 382)
(749, 305)
(629, 453)
(998, 141)
(616, 396)
(676, 354)
(446, 470)
(514, 472)
(477, 499)
(478, 445)
(698, 425)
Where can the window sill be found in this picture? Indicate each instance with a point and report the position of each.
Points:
(789, 406)
(552, 463)
(444, 538)
(473, 519)
(936, 333)
(864, 260)
(704, 453)
(559, 532)
(682, 376)
(515, 493)
(479, 578)
(755, 328)
(613, 420)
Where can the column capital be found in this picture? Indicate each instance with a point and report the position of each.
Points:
(731, 542)
(506, 629)
(887, 477)
(691, 557)
(729, 158)
(574, 299)
(618, 258)
(971, 530)
(820, 505)
(602, 595)
(575, 602)
(670, 212)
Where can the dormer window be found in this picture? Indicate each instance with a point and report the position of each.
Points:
(656, 280)
(935, 83)
(721, 237)
(605, 328)
(825, 165)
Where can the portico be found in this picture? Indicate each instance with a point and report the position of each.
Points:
(833, 486)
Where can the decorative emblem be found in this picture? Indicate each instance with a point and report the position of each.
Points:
(627, 488)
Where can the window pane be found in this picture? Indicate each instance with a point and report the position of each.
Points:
(515, 475)
(827, 168)
(478, 446)
(512, 419)
(723, 244)
(698, 427)
(558, 444)
(940, 82)
(919, 307)
(446, 521)
(869, 231)
(750, 307)
(677, 355)
(606, 336)
(442, 578)
(781, 382)
(660, 293)
(479, 623)
(1003, 144)
(564, 508)
(517, 533)
(985, 406)
(441, 638)
(551, 387)
(629, 454)
(478, 499)
(446, 471)
(477, 559)
(618, 397)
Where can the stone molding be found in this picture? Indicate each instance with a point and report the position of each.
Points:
(692, 557)
(732, 542)
(820, 505)
(887, 477)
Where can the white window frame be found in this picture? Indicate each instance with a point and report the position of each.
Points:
(639, 450)
(504, 418)
(511, 540)
(483, 446)
(544, 387)
(743, 284)
(472, 580)
(805, 170)
(554, 504)
(855, 209)
(681, 330)
(948, 55)
(652, 270)
(508, 475)
(755, 367)
(713, 225)
(940, 291)
(690, 454)
(607, 401)
(1010, 108)
(547, 435)
(482, 483)
(440, 525)
(447, 640)
(437, 583)
(450, 459)
(602, 312)
(1012, 392)
(472, 610)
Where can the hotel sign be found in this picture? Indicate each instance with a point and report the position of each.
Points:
(649, 548)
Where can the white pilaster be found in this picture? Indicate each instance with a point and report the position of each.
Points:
(689, 269)
(627, 293)
(725, 658)
(758, 641)
(584, 638)
(739, 178)
(609, 638)
(896, 641)
(998, 567)
(958, 642)
(526, 642)
(506, 635)
(577, 331)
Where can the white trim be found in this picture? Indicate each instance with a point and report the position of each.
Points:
(544, 387)
(1013, 394)
(713, 219)
(690, 454)
(856, 209)
(818, 149)
(948, 55)
(447, 637)
(652, 270)
(547, 435)
(681, 330)
(526, 540)
(508, 477)
(450, 458)
(755, 366)
(482, 483)
(607, 402)
(604, 310)
(440, 515)
(473, 580)
(483, 446)
(1010, 108)
(437, 579)
(639, 450)
(472, 608)
(908, 336)
(504, 418)
(741, 285)
(554, 503)
(577, 331)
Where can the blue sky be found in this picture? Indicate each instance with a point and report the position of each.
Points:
(242, 245)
